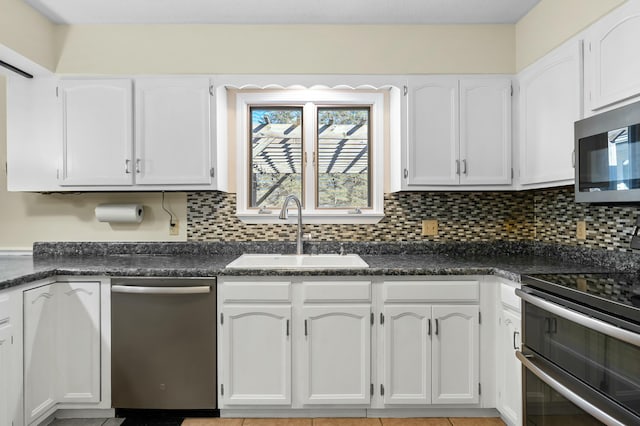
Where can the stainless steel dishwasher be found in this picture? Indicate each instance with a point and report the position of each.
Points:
(163, 333)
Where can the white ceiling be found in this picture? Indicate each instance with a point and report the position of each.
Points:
(284, 11)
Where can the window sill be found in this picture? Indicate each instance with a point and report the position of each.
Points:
(326, 219)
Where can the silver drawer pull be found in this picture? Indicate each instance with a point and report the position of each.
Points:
(132, 289)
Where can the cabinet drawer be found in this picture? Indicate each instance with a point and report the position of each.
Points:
(430, 291)
(342, 291)
(508, 297)
(255, 291)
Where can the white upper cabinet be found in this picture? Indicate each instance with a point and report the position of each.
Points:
(116, 134)
(97, 132)
(612, 63)
(485, 131)
(549, 103)
(433, 149)
(459, 132)
(173, 131)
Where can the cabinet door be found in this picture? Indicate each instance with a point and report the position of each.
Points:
(7, 391)
(78, 341)
(256, 355)
(337, 354)
(455, 376)
(612, 57)
(433, 151)
(550, 96)
(407, 354)
(173, 131)
(39, 351)
(485, 131)
(509, 369)
(97, 132)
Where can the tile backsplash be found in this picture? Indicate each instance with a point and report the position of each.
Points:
(462, 216)
(547, 215)
(556, 217)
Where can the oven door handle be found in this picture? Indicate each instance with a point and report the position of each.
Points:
(133, 289)
(530, 364)
(592, 323)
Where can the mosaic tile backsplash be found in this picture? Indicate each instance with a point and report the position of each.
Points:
(547, 215)
(462, 216)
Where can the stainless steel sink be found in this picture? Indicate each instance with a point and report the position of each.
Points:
(303, 261)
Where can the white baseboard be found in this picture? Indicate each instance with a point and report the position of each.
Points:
(385, 412)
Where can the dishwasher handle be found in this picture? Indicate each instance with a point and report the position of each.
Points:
(134, 289)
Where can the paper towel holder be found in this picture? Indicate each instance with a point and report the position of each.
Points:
(120, 213)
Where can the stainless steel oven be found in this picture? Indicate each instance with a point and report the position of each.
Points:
(581, 349)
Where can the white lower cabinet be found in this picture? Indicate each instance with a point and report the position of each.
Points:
(431, 352)
(8, 361)
(456, 355)
(256, 355)
(62, 341)
(508, 368)
(39, 351)
(337, 343)
(337, 354)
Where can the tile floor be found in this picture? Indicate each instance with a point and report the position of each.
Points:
(452, 421)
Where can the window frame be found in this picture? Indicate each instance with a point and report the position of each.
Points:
(310, 99)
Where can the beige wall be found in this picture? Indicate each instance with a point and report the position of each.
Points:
(28, 33)
(287, 49)
(29, 217)
(552, 22)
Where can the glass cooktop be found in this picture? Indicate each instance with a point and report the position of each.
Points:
(613, 293)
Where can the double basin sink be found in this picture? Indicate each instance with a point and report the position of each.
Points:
(302, 261)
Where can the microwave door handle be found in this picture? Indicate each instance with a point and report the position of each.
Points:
(530, 364)
(584, 320)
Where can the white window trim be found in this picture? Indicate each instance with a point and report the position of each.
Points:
(307, 98)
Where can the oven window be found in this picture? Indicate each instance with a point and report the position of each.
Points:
(607, 364)
(546, 407)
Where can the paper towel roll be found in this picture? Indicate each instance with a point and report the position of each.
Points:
(120, 213)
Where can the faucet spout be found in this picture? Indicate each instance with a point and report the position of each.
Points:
(284, 215)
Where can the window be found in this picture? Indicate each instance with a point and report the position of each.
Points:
(325, 146)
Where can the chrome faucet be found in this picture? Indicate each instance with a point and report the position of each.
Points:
(284, 215)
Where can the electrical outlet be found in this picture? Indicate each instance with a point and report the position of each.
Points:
(430, 227)
(581, 230)
(174, 228)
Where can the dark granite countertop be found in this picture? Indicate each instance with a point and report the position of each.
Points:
(510, 264)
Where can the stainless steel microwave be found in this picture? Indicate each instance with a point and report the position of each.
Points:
(608, 156)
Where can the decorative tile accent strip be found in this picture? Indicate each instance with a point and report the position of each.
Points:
(556, 216)
(462, 216)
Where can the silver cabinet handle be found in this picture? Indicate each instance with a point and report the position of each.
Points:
(305, 328)
(287, 328)
(127, 163)
(429, 332)
(436, 326)
(137, 165)
(406, 173)
(584, 320)
(464, 167)
(132, 289)
(515, 333)
(457, 167)
(532, 366)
